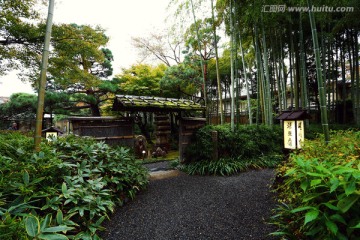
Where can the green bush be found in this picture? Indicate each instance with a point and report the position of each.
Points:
(246, 147)
(64, 191)
(319, 189)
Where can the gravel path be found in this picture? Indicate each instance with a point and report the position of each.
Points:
(195, 207)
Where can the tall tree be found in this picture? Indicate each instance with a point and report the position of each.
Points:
(181, 81)
(202, 42)
(160, 47)
(80, 65)
(19, 33)
(19, 106)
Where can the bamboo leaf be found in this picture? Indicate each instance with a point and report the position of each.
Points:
(26, 178)
(311, 196)
(315, 182)
(321, 168)
(60, 228)
(52, 236)
(311, 216)
(350, 188)
(304, 185)
(345, 204)
(356, 226)
(59, 217)
(332, 226)
(64, 188)
(99, 221)
(300, 209)
(332, 207)
(32, 226)
(338, 218)
(315, 174)
(334, 184)
(45, 222)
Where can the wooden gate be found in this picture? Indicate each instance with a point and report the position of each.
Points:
(188, 127)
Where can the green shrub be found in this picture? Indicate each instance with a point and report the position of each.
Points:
(66, 190)
(320, 190)
(246, 147)
(245, 142)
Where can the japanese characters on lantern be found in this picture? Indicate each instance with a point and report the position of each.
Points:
(293, 134)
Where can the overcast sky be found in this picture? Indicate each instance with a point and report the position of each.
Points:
(121, 20)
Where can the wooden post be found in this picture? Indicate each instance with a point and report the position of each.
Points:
(214, 138)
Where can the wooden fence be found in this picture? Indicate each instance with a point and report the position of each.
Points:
(113, 131)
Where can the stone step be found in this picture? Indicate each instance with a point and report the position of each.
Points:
(163, 174)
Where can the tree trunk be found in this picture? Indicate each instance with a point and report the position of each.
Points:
(95, 111)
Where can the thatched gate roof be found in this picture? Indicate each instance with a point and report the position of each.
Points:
(154, 104)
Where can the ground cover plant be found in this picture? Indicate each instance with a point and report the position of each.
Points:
(312, 131)
(65, 191)
(256, 146)
(319, 190)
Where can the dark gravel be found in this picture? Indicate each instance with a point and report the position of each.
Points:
(195, 207)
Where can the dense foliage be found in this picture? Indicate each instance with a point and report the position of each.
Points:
(319, 190)
(141, 80)
(64, 191)
(246, 147)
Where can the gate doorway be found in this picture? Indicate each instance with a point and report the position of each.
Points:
(164, 109)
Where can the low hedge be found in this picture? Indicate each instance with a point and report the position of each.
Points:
(66, 190)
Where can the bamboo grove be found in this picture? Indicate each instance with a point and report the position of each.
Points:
(284, 57)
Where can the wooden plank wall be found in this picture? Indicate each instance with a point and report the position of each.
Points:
(188, 127)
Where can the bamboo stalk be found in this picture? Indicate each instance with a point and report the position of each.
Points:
(42, 82)
(201, 61)
(324, 117)
(217, 67)
(246, 81)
